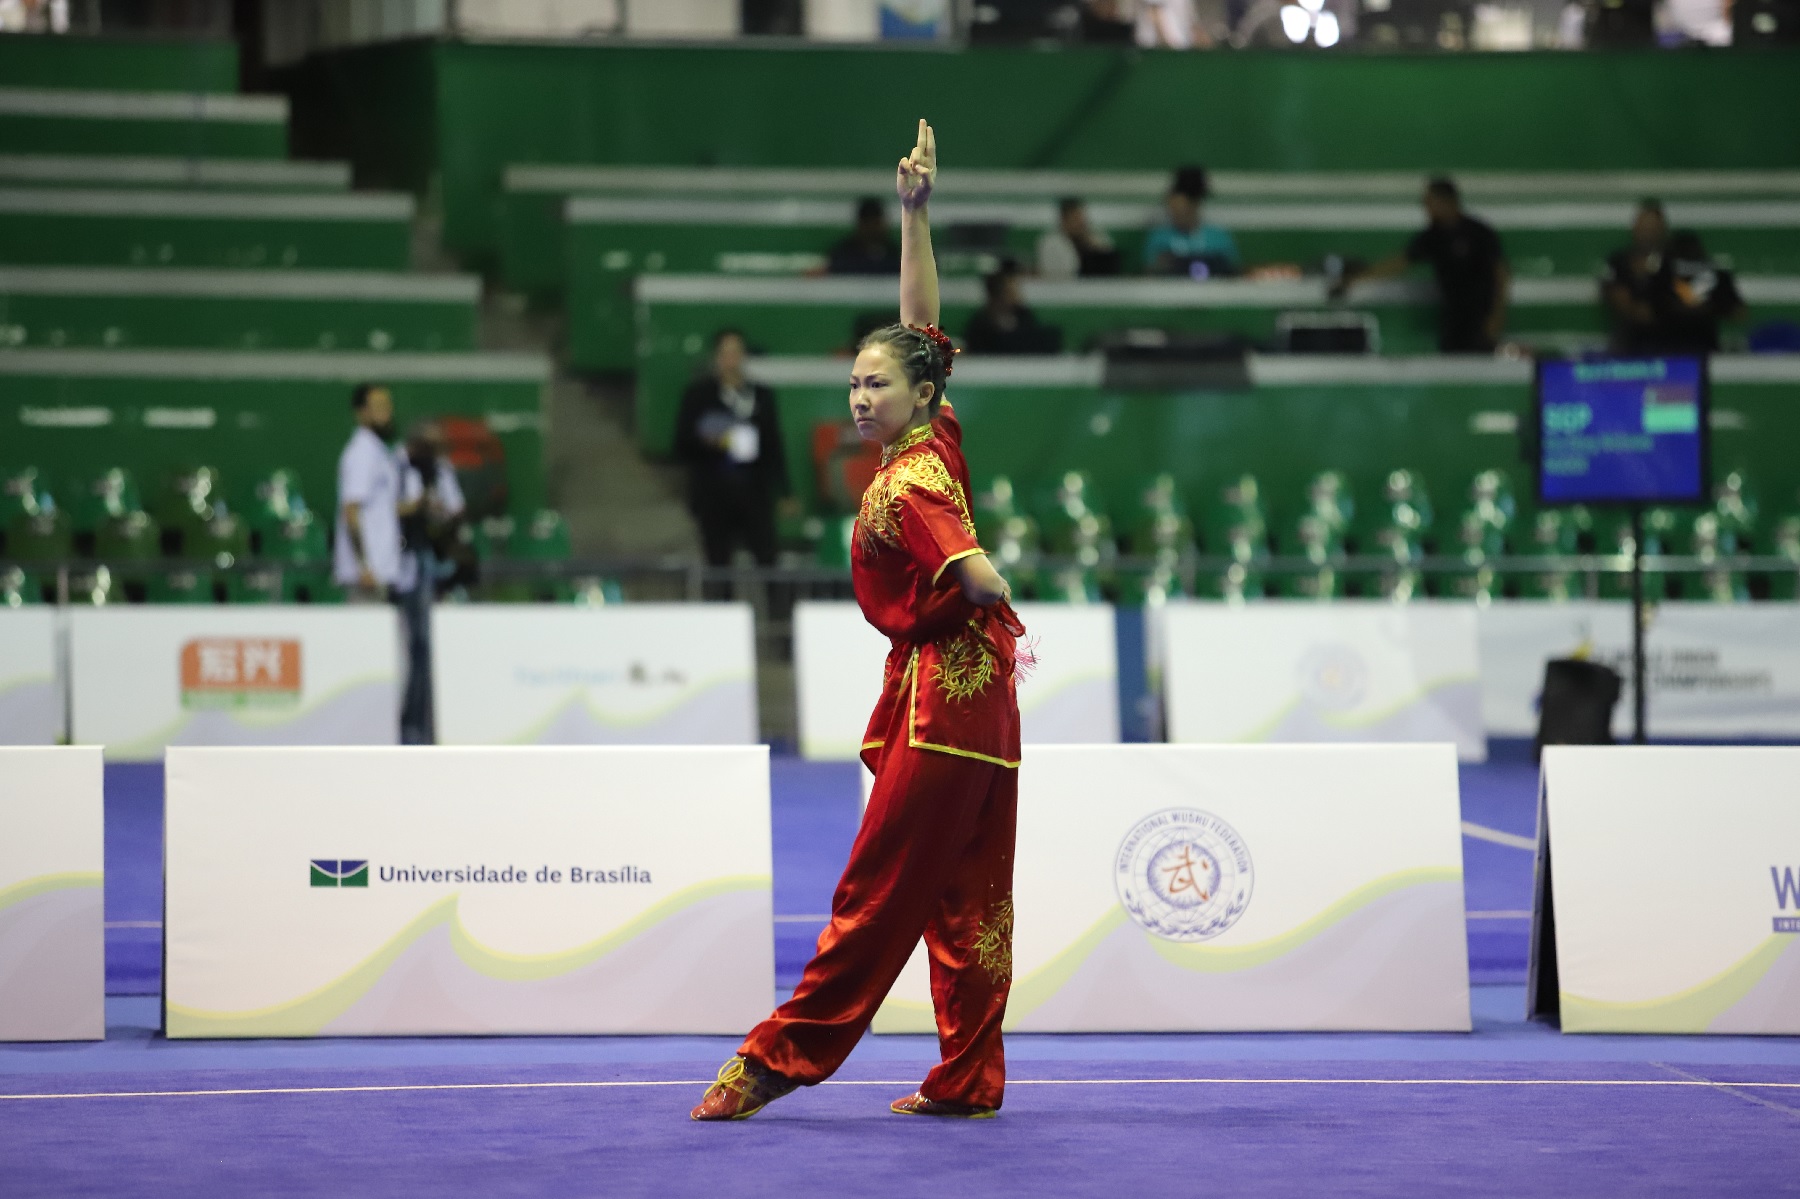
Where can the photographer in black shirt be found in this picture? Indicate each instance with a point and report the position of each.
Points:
(1473, 278)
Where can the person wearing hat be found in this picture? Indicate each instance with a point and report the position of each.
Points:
(1184, 244)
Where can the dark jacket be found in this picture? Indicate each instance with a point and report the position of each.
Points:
(711, 471)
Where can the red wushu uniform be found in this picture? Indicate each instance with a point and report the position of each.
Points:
(934, 855)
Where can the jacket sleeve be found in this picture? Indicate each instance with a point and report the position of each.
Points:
(934, 530)
(774, 451)
(688, 446)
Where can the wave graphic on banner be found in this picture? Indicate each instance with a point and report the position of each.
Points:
(365, 713)
(434, 977)
(1436, 712)
(1760, 994)
(1336, 971)
(720, 712)
(51, 930)
(30, 713)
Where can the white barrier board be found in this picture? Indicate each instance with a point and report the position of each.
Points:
(1286, 671)
(627, 674)
(1715, 670)
(1070, 697)
(1162, 888)
(353, 892)
(52, 904)
(144, 678)
(1518, 638)
(1676, 883)
(31, 703)
(1723, 670)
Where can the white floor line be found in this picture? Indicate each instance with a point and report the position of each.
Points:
(134, 924)
(1501, 914)
(1482, 832)
(1665, 1083)
(821, 919)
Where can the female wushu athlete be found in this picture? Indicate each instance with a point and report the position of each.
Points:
(934, 854)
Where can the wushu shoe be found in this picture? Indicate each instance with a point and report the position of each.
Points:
(916, 1104)
(743, 1089)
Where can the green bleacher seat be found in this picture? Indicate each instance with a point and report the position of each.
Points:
(38, 537)
(156, 412)
(136, 171)
(595, 592)
(1555, 532)
(166, 308)
(19, 587)
(118, 228)
(63, 120)
(181, 587)
(108, 496)
(543, 538)
(1785, 584)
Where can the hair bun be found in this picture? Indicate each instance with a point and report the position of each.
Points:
(946, 351)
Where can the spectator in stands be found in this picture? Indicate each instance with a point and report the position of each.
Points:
(1184, 244)
(432, 502)
(1625, 282)
(870, 248)
(1004, 325)
(1106, 21)
(729, 435)
(1690, 297)
(366, 549)
(1075, 248)
(1473, 278)
(1171, 24)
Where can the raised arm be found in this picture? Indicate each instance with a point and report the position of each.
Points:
(918, 267)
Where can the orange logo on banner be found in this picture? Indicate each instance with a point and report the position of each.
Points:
(235, 671)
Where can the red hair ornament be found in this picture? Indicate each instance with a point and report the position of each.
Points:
(946, 350)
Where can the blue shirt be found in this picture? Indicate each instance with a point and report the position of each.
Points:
(1204, 240)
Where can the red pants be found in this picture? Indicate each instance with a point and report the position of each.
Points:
(934, 857)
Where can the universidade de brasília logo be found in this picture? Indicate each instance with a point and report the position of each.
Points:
(1184, 874)
(340, 872)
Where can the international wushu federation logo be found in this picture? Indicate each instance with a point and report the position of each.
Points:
(1184, 874)
(340, 872)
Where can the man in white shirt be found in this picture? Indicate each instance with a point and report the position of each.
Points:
(366, 549)
(1075, 248)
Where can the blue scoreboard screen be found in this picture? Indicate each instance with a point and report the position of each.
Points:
(1622, 431)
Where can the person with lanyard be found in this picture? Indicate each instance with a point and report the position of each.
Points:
(1626, 283)
(433, 501)
(1473, 279)
(729, 434)
(934, 854)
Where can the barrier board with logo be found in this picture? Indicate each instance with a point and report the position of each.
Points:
(1304, 671)
(1163, 888)
(627, 674)
(352, 892)
(31, 702)
(143, 678)
(1071, 696)
(52, 904)
(1676, 885)
(1715, 670)
(1518, 638)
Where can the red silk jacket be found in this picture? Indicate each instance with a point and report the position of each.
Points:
(951, 666)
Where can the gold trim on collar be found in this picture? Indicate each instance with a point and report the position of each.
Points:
(907, 441)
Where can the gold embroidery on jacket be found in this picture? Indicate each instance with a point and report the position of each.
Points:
(993, 942)
(878, 520)
(965, 665)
